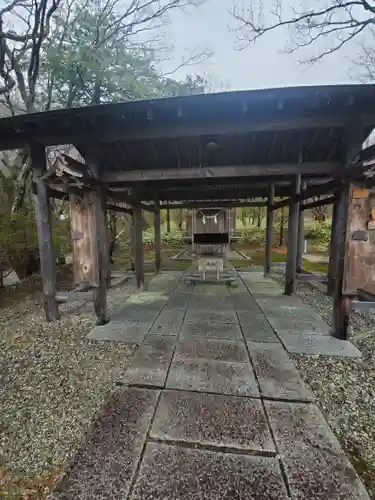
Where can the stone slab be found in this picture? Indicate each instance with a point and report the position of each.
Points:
(134, 313)
(245, 304)
(212, 420)
(149, 300)
(177, 301)
(212, 349)
(151, 362)
(229, 331)
(129, 331)
(202, 303)
(277, 376)
(314, 462)
(220, 377)
(311, 344)
(284, 324)
(211, 316)
(172, 473)
(105, 463)
(280, 303)
(168, 323)
(256, 327)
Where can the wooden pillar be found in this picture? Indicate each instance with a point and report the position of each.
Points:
(83, 234)
(44, 227)
(341, 304)
(291, 263)
(102, 252)
(268, 243)
(301, 240)
(352, 140)
(138, 248)
(168, 221)
(332, 247)
(157, 238)
(193, 226)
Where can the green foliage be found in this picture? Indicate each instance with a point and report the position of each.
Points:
(19, 241)
(252, 235)
(167, 239)
(319, 231)
(91, 61)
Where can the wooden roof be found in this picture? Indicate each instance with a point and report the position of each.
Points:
(207, 146)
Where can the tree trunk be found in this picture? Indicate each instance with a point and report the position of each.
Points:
(259, 218)
(243, 217)
(112, 235)
(180, 219)
(168, 221)
(281, 241)
(21, 181)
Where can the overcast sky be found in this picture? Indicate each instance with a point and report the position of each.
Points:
(262, 65)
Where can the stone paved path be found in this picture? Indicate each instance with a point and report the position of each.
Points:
(212, 405)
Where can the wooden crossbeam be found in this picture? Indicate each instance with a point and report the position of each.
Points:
(57, 194)
(318, 203)
(230, 171)
(77, 131)
(310, 192)
(213, 204)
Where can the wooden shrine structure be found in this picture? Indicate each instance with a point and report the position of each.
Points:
(274, 147)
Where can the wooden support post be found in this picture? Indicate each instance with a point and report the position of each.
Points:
(102, 252)
(341, 304)
(353, 140)
(193, 227)
(44, 227)
(301, 239)
(138, 247)
(83, 234)
(332, 247)
(291, 263)
(268, 244)
(157, 238)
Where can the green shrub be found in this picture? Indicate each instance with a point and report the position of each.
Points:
(19, 241)
(167, 239)
(319, 231)
(252, 235)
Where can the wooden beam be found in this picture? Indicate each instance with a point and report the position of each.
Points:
(318, 203)
(342, 303)
(84, 171)
(310, 192)
(213, 204)
(332, 247)
(44, 227)
(57, 194)
(138, 248)
(89, 128)
(268, 243)
(291, 263)
(301, 239)
(129, 200)
(83, 236)
(102, 241)
(157, 238)
(306, 168)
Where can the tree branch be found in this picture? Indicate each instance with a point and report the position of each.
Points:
(340, 22)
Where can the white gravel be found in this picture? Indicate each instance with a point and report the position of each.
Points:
(345, 388)
(52, 383)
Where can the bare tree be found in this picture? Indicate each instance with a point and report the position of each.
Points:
(338, 22)
(25, 26)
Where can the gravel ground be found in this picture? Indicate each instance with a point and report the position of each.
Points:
(345, 388)
(52, 383)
